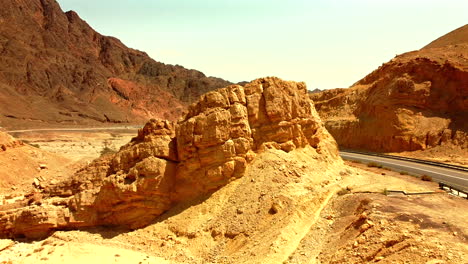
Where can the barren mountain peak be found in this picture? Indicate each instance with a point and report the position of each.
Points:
(59, 71)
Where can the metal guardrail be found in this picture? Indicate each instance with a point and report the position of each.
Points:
(427, 162)
(452, 187)
(389, 192)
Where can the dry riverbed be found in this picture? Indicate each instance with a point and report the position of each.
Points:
(78, 145)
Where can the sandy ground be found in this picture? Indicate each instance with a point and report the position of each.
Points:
(53, 156)
(281, 211)
(72, 252)
(20, 166)
(85, 145)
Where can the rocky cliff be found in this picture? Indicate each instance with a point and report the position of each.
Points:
(169, 163)
(416, 101)
(55, 69)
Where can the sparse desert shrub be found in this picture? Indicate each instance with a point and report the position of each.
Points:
(374, 165)
(35, 145)
(107, 149)
(426, 178)
(403, 173)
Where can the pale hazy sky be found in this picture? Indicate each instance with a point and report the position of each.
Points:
(326, 43)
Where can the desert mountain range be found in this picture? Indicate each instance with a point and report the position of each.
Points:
(56, 70)
(248, 173)
(416, 101)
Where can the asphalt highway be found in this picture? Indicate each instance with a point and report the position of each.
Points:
(456, 178)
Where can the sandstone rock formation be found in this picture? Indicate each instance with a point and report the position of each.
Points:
(56, 69)
(416, 101)
(170, 163)
(280, 211)
(7, 141)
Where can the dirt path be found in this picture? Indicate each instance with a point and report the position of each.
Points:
(303, 229)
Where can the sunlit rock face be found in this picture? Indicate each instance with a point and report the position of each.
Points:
(416, 101)
(168, 162)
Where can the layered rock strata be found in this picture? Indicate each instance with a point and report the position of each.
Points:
(416, 101)
(168, 163)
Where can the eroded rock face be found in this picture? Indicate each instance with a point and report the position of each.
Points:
(416, 101)
(168, 163)
(226, 127)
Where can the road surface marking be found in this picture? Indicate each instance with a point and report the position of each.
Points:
(403, 165)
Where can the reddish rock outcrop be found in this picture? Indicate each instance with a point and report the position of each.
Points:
(416, 101)
(7, 141)
(55, 69)
(169, 163)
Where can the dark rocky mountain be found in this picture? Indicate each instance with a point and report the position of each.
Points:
(55, 69)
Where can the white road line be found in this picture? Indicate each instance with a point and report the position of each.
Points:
(408, 161)
(403, 165)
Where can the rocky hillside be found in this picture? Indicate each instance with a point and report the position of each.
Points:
(416, 101)
(250, 175)
(168, 163)
(55, 69)
(22, 166)
(456, 37)
(7, 141)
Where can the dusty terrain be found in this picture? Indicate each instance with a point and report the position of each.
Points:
(416, 101)
(352, 227)
(36, 157)
(171, 163)
(79, 145)
(264, 184)
(55, 70)
(22, 166)
(248, 174)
